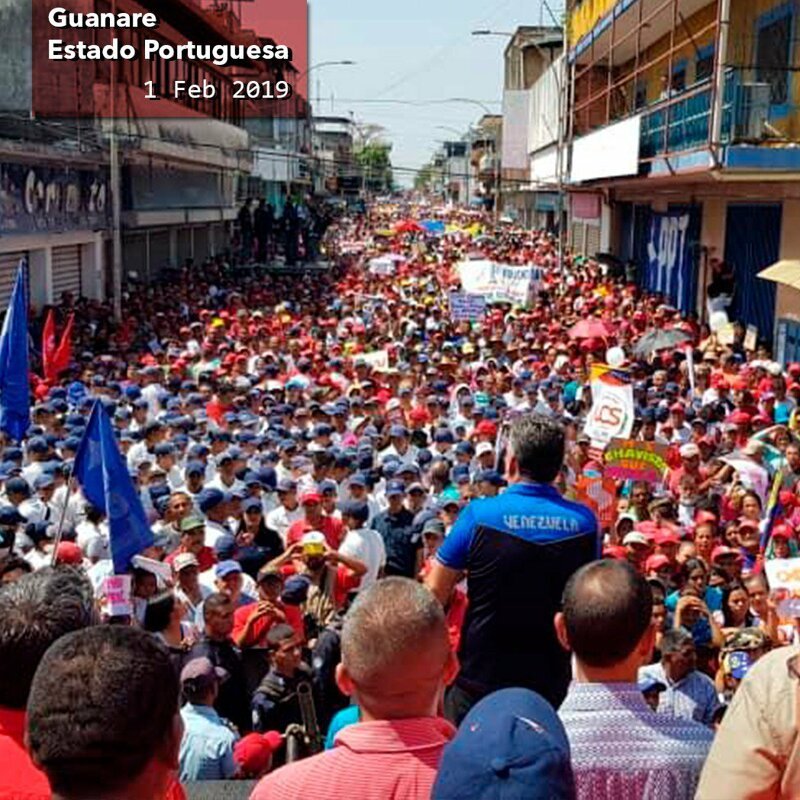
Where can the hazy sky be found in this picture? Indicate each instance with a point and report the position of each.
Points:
(413, 50)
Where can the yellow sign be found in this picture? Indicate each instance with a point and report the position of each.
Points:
(586, 16)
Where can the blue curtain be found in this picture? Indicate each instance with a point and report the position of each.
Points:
(752, 243)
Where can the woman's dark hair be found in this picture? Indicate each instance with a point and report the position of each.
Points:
(688, 567)
(158, 611)
(754, 496)
(13, 563)
(727, 591)
(94, 514)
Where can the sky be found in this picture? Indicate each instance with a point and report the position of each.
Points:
(413, 50)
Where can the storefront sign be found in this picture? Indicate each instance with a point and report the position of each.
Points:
(628, 459)
(34, 199)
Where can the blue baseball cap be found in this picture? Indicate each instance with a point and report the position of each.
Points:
(739, 663)
(209, 499)
(511, 744)
(195, 468)
(650, 684)
(225, 568)
(395, 489)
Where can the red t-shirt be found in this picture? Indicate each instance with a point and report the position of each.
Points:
(19, 777)
(346, 582)
(261, 627)
(331, 527)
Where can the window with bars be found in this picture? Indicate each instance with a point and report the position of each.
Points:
(704, 64)
(774, 52)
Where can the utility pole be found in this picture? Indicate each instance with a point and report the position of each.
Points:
(116, 192)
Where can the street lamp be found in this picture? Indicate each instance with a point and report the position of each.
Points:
(492, 33)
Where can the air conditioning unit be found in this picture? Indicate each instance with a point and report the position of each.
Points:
(752, 110)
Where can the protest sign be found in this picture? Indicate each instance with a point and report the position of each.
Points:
(499, 283)
(612, 413)
(467, 307)
(751, 338)
(783, 575)
(159, 568)
(599, 493)
(381, 266)
(377, 360)
(116, 593)
(631, 460)
(690, 369)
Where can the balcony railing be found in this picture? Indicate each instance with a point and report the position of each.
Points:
(682, 123)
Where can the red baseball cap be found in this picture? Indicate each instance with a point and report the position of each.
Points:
(69, 553)
(308, 498)
(654, 563)
(723, 550)
(782, 532)
(705, 517)
(667, 537)
(253, 753)
(486, 428)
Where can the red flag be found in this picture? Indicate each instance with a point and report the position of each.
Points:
(63, 355)
(49, 347)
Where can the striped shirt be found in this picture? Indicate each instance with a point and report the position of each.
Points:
(623, 750)
(693, 697)
(382, 760)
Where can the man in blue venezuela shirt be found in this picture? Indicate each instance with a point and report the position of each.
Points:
(517, 550)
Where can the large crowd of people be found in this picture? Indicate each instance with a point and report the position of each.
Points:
(376, 571)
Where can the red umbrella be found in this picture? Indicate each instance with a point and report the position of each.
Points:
(589, 329)
(408, 226)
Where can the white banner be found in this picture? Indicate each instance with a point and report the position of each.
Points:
(612, 413)
(381, 266)
(376, 360)
(467, 307)
(499, 283)
(783, 575)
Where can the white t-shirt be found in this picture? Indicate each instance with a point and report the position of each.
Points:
(366, 545)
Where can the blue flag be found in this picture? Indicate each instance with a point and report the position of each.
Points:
(103, 475)
(15, 393)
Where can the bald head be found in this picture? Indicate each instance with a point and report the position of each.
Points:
(395, 647)
(607, 609)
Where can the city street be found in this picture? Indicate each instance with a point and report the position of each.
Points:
(398, 406)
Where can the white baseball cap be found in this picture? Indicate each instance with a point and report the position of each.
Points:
(183, 560)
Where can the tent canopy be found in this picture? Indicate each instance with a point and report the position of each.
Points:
(786, 272)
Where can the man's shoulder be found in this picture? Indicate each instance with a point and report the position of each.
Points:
(299, 779)
(521, 503)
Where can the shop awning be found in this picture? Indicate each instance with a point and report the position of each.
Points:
(786, 272)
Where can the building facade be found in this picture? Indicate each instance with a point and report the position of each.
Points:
(682, 140)
(181, 159)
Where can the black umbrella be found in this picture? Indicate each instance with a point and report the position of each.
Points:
(656, 340)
